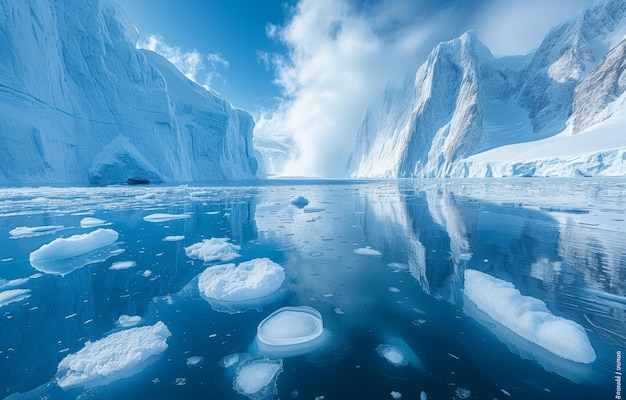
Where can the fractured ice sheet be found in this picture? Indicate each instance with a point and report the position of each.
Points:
(13, 295)
(118, 355)
(248, 283)
(63, 255)
(256, 377)
(528, 317)
(32, 231)
(162, 217)
(214, 249)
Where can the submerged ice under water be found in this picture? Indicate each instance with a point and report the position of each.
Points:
(425, 289)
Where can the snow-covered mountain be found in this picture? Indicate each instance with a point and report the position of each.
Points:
(560, 111)
(80, 104)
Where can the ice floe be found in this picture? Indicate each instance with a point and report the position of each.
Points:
(256, 377)
(126, 321)
(118, 355)
(214, 249)
(13, 295)
(162, 217)
(367, 251)
(32, 231)
(63, 255)
(233, 288)
(90, 222)
(528, 317)
(123, 265)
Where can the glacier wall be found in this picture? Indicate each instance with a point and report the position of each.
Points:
(80, 104)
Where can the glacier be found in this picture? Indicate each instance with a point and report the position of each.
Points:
(81, 104)
(558, 111)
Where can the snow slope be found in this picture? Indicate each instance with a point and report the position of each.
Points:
(80, 104)
(556, 112)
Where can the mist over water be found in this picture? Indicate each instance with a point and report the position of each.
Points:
(383, 262)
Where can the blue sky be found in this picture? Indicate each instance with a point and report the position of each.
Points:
(308, 69)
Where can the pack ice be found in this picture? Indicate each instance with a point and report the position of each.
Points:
(119, 355)
(528, 317)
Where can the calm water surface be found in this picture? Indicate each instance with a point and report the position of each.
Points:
(560, 241)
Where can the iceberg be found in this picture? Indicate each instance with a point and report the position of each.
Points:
(256, 377)
(214, 249)
(63, 255)
(236, 289)
(118, 355)
(528, 317)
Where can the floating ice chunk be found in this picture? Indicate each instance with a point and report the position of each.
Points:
(118, 355)
(173, 238)
(32, 231)
(214, 249)
(231, 360)
(252, 279)
(367, 251)
(299, 202)
(13, 295)
(291, 325)
(62, 248)
(396, 395)
(123, 265)
(528, 317)
(194, 361)
(126, 321)
(256, 377)
(90, 222)
(397, 267)
(462, 393)
(393, 354)
(161, 217)
(423, 395)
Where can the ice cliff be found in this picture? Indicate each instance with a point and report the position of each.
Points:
(80, 104)
(559, 111)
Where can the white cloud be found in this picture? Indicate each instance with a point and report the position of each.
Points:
(191, 63)
(518, 26)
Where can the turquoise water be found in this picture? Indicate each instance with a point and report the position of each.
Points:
(560, 241)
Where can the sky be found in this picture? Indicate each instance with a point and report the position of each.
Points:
(308, 69)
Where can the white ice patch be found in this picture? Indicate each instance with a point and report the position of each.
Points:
(13, 295)
(194, 361)
(393, 354)
(90, 222)
(291, 325)
(32, 231)
(173, 238)
(367, 251)
(126, 321)
(250, 280)
(119, 355)
(231, 360)
(528, 317)
(214, 249)
(161, 217)
(123, 265)
(256, 377)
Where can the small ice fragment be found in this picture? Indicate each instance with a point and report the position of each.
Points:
(126, 321)
(194, 361)
(160, 217)
(118, 355)
(319, 398)
(212, 212)
(211, 336)
(173, 238)
(397, 267)
(123, 265)
(393, 354)
(252, 279)
(393, 289)
(214, 249)
(90, 222)
(290, 326)
(327, 295)
(453, 356)
(180, 381)
(232, 359)
(463, 393)
(33, 231)
(299, 202)
(423, 395)
(13, 295)
(396, 395)
(294, 394)
(146, 273)
(339, 311)
(70, 316)
(256, 377)
(367, 251)
(505, 392)
(63, 248)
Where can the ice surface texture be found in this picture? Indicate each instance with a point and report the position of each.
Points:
(105, 112)
(214, 249)
(119, 355)
(291, 325)
(256, 377)
(528, 317)
(249, 280)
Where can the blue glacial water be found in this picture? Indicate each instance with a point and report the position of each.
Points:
(560, 241)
